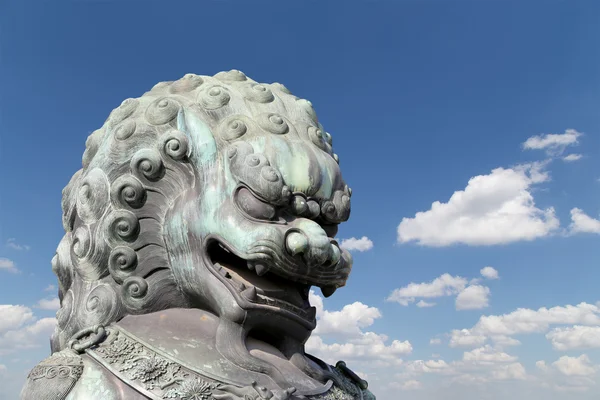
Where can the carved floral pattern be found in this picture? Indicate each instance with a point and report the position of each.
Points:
(147, 369)
(195, 389)
(120, 350)
(167, 379)
(162, 377)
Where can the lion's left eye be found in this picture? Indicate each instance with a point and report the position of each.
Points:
(254, 207)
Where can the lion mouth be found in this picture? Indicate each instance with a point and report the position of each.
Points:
(257, 285)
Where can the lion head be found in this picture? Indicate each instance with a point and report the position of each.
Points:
(216, 193)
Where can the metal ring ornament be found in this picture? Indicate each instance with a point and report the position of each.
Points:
(96, 333)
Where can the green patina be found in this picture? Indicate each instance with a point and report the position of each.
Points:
(202, 140)
(93, 385)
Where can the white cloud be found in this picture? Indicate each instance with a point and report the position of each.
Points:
(553, 144)
(486, 355)
(514, 371)
(13, 317)
(582, 223)
(574, 384)
(16, 246)
(474, 297)
(487, 365)
(500, 328)
(348, 323)
(465, 338)
(525, 320)
(353, 244)
(24, 341)
(575, 366)
(469, 295)
(50, 288)
(481, 365)
(541, 365)
(445, 285)
(489, 273)
(317, 302)
(576, 337)
(572, 157)
(568, 374)
(34, 335)
(8, 265)
(430, 366)
(501, 341)
(411, 385)
(29, 336)
(20, 330)
(52, 304)
(493, 209)
(369, 347)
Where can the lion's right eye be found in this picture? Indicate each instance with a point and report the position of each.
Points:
(254, 207)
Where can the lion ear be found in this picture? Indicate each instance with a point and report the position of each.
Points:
(202, 140)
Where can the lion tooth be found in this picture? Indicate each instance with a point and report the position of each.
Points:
(250, 293)
(328, 290)
(224, 273)
(261, 269)
(250, 266)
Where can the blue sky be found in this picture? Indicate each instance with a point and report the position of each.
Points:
(421, 97)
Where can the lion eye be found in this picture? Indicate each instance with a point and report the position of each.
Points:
(252, 206)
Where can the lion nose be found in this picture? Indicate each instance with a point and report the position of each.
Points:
(311, 242)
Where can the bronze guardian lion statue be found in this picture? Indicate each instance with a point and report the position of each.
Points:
(204, 212)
